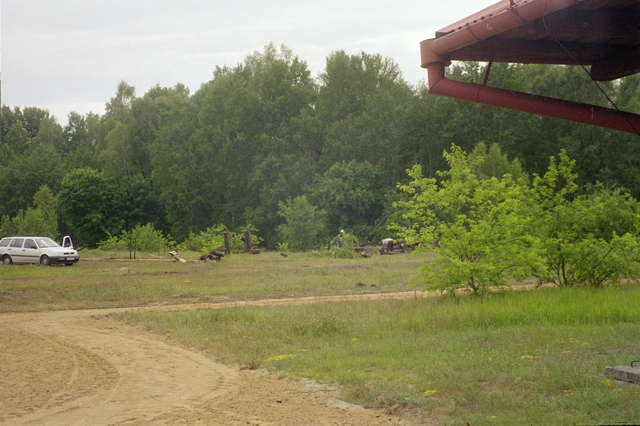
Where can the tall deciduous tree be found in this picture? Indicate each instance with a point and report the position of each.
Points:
(40, 219)
(135, 203)
(80, 135)
(182, 166)
(114, 148)
(257, 128)
(351, 195)
(84, 204)
(25, 174)
(362, 106)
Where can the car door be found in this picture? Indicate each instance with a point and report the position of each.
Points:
(15, 250)
(30, 251)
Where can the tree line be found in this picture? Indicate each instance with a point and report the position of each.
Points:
(264, 141)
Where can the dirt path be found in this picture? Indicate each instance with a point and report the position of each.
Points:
(82, 367)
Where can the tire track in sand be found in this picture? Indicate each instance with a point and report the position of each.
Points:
(82, 367)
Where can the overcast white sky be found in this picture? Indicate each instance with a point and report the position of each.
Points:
(69, 55)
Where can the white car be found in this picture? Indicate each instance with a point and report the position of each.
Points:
(41, 250)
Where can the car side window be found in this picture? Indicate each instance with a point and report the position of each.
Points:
(16, 242)
(30, 244)
(4, 242)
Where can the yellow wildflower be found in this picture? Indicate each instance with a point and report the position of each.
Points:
(278, 357)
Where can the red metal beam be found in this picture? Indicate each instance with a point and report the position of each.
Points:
(505, 16)
(501, 17)
(541, 105)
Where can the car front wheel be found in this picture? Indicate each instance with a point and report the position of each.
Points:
(7, 260)
(44, 260)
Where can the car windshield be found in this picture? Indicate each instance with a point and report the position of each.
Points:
(46, 242)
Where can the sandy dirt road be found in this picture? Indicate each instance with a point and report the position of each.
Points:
(83, 367)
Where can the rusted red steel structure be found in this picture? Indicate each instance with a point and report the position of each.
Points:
(601, 34)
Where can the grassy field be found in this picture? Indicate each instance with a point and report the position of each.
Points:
(518, 357)
(96, 282)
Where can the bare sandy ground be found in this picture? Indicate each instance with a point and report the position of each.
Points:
(85, 368)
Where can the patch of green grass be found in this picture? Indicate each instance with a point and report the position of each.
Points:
(104, 283)
(508, 358)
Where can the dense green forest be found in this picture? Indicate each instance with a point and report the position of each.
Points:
(265, 137)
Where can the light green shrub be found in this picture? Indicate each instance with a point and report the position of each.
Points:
(140, 238)
(205, 241)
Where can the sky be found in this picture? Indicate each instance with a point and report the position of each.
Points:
(70, 55)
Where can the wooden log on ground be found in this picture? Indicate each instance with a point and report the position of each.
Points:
(177, 257)
(215, 254)
(210, 256)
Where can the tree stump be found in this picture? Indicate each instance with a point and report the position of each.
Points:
(227, 243)
(248, 246)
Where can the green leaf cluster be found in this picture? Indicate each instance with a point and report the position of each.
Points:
(493, 230)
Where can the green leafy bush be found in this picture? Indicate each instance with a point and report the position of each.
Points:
(140, 238)
(282, 247)
(587, 240)
(493, 230)
(478, 226)
(303, 223)
(205, 241)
